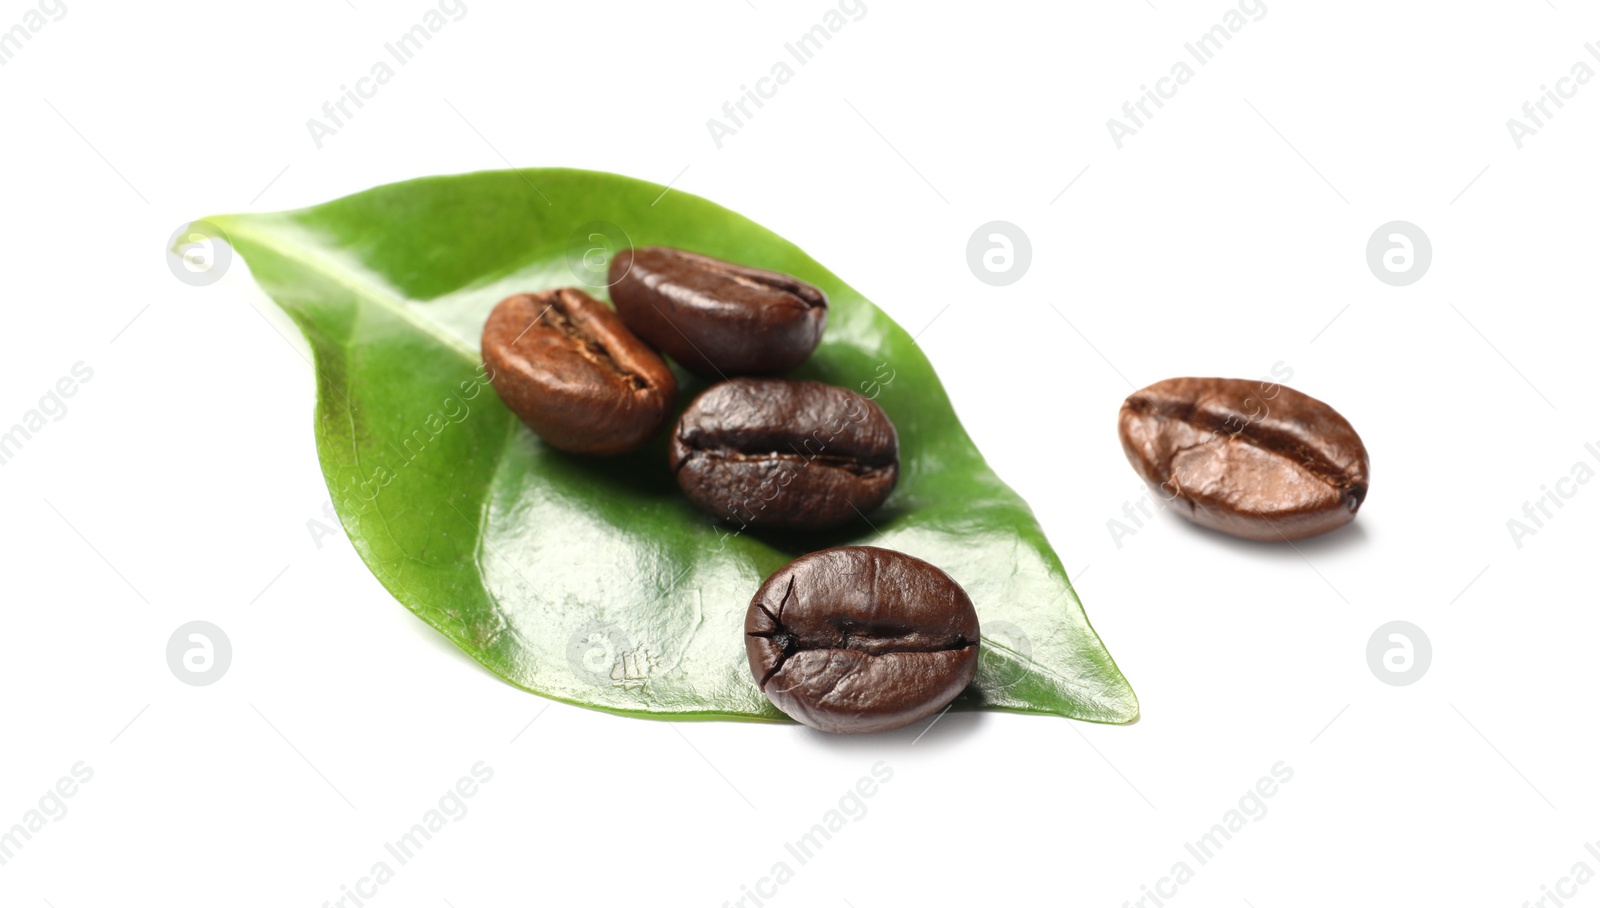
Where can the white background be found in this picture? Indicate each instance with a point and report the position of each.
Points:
(1227, 236)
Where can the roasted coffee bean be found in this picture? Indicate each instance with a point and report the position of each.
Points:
(716, 318)
(1251, 459)
(564, 363)
(782, 453)
(860, 639)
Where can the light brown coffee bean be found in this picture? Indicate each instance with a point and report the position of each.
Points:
(564, 362)
(1251, 459)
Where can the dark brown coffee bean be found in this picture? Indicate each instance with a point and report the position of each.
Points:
(776, 452)
(860, 639)
(564, 363)
(1251, 459)
(716, 318)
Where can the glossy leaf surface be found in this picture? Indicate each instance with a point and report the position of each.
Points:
(593, 581)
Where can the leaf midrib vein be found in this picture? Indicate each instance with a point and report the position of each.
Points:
(364, 289)
(362, 286)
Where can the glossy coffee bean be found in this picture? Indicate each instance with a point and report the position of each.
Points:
(861, 639)
(716, 318)
(1251, 459)
(782, 453)
(564, 362)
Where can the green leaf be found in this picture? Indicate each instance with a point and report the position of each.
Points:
(593, 581)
